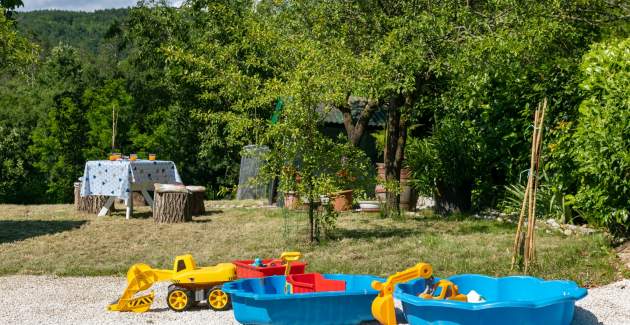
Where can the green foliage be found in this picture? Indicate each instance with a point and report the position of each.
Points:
(101, 102)
(603, 136)
(197, 83)
(549, 201)
(18, 182)
(58, 140)
(16, 53)
(81, 30)
(445, 164)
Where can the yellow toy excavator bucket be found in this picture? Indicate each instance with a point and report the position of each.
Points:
(383, 308)
(140, 277)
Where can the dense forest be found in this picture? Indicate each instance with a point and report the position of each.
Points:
(82, 30)
(459, 81)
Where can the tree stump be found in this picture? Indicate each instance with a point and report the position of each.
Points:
(171, 204)
(198, 194)
(90, 203)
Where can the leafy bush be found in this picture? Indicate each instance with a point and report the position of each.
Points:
(549, 200)
(602, 137)
(444, 164)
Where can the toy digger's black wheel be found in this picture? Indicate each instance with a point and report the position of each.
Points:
(179, 299)
(218, 299)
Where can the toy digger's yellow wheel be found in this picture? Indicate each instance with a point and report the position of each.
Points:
(179, 299)
(218, 299)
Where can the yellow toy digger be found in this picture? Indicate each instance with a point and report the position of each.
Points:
(190, 285)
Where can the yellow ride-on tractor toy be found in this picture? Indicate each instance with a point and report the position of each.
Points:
(191, 285)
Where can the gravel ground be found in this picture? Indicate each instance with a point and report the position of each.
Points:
(83, 300)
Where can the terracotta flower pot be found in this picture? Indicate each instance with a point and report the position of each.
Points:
(291, 200)
(408, 196)
(342, 200)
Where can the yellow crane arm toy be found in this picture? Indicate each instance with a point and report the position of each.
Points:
(383, 305)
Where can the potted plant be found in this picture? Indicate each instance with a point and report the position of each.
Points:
(342, 200)
(368, 204)
(408, 195)
(291, 181)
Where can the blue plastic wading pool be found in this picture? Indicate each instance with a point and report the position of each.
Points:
(509, 300)
(263, 301)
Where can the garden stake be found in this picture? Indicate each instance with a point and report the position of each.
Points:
(531, 234)
(529, 241)
(524, 245)
(531, 198)
(518, 240)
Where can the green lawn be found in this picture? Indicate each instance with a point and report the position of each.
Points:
(54, 239)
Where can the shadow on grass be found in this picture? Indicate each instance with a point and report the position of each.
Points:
(141, 215)
(16, 230)
(483, 228)
(376, 233)
(463, 225)
(210, 212)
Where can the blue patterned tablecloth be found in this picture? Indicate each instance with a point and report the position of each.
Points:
(115, 178)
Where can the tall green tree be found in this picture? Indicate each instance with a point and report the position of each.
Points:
(602, 137)
(59, 140)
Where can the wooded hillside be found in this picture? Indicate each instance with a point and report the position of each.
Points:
(83, 30)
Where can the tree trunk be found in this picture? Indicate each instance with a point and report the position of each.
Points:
(453, 199)
(197, 196)
(171, 204)
(396, 139)
(90, 203)
(311, 218)
(355, 130)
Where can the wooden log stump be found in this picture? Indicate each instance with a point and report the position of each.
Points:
(198, 194)
(90, 203)
(171, 204)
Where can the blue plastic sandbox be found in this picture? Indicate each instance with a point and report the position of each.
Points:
(509, 300)
(263, 301)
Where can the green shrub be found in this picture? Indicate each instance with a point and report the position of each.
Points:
(602, 137)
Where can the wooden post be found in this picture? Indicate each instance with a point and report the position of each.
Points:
(171, 204)
(77, 195)
(197, 196)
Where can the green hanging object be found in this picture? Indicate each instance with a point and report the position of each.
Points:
(276, 113)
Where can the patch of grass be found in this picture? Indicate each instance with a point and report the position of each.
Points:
(54, 239)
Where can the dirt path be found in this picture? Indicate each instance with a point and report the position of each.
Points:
(82, 300)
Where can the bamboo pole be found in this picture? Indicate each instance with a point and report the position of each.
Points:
(525, 244)
(530, 183)
(531, 254)
(519, 228)
(518, 243)
(531, 229)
